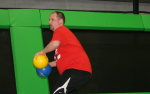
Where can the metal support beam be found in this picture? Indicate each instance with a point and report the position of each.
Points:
(135, 6)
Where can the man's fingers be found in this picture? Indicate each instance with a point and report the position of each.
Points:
(36, 55)
(45, 55)
(39, 53)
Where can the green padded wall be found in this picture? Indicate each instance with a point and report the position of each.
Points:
(146, 22)
(95, 20)
(25, 17)
(4, 19)
(26, 41)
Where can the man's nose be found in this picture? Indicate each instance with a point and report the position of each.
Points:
(49, 22)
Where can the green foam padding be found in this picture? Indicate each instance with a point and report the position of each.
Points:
(96, 20)
(26, 41)
(4, 19)
(25, 17)
(146, 22)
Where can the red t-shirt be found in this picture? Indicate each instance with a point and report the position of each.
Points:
(70, 53)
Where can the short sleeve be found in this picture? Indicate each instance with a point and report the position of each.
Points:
(57, 36)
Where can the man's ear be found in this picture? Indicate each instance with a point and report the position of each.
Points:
(61, 21)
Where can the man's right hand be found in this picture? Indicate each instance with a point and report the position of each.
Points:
(39, 53)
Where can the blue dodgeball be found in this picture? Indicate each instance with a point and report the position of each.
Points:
(45, 71)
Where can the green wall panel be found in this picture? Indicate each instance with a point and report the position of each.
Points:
(45, 18)
(146, 22)
(4, 19)
(25, 17)
(26, 41)
(95, 20)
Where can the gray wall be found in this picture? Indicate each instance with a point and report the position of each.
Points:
(87, 5)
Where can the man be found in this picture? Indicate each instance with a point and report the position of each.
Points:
(70, 58)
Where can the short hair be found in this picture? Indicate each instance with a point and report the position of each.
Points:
(60, 15)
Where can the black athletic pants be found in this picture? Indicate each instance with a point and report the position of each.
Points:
(70, 81)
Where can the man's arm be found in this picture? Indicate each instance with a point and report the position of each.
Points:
(51, 46)
(52, 64)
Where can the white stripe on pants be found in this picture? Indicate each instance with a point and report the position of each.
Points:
(63, 86)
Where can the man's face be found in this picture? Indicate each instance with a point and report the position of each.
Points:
(54, 22)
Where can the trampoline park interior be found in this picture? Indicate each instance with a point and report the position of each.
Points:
(118, 45)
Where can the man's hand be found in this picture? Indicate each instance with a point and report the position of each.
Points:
(52, 64)
(39, 53)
